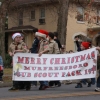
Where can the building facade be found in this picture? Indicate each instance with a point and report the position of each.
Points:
(44, 16)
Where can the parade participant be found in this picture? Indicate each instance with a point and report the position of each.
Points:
(63, 51)
(59, 46)
(84, 46)
(1, 69)
(23, 40)
(18, 46)
(35, 43)
(84, 81)
(22, 83)
(43, 48)
(93, 80)
(53, 46)
(69, 81)
(97, 89)
(34, 49)
(53, 49)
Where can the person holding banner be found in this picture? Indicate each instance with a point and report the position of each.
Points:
(97, 89)
(69, 81)
(84, 46)
(53, 49)
(18, 46)
(43, 48)
(34, 50)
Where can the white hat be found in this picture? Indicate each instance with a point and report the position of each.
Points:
(42, 33)
(15, 34)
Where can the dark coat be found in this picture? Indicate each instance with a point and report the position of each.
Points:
(58, 42)
(35, 44)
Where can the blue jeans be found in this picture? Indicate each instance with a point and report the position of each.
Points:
(84, 81)
(44, 83)
(1, 74)
(34, 83)
(93, 81)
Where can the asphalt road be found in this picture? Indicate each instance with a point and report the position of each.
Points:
(64, 92)
(94, 97)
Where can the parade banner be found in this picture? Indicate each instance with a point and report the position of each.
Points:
(31, 67)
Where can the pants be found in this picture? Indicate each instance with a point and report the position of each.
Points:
(78, 49)
(51, 83)
(21, 84)
(24, 84)
(98, 80)
(16, 84)
(27, 84)
(34, 83)
(44, 83)
(93, 81)
(84, 81)
(1, 74)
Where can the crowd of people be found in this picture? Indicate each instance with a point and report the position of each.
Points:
(45, 43)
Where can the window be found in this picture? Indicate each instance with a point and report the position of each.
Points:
(32, 14)
(42, 16)
(21, 18)
(42, 13)
(80, 14)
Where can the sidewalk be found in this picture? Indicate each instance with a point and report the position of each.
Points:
(7, 81)
(5, 84)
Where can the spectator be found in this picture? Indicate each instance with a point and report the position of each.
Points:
(56, 39)
(71, 51)
(63, 50)
(1, 69)
(77, 43)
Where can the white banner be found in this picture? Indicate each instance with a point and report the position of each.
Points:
(31, 67)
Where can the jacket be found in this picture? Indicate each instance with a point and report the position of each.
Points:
(1, 63)
(34, 48)
(53, 47)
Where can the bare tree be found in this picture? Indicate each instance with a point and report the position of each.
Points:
(4, 5)
(62, 20)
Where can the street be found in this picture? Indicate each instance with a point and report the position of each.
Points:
(58, 93)
(78, 98)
